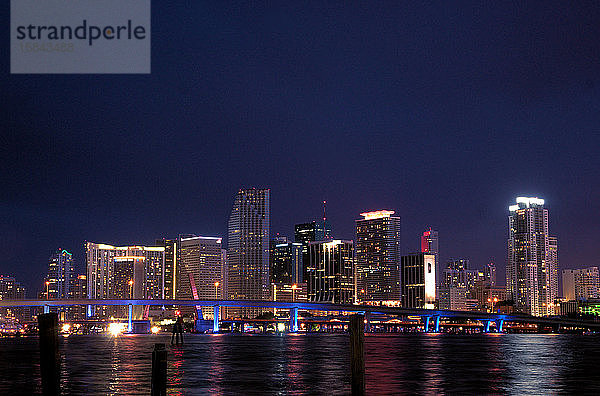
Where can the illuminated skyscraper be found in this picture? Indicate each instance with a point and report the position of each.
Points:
(171, 260)
(285, 261)
(331, 271)
(418, 280)
(378, 256)
(531, 273)
(430, 244)
(59, 281)
(311, 232)
(199, 269)
(248, 249)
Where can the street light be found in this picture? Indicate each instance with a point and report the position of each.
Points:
(494, 300)
(130, 288)
(294, 287)
(216, 290)
(47, 290)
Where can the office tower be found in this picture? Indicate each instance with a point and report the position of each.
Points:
(532, 258)
(418, 280)
(490, 274)
(199, 270)
(310, 232)
(331, 271)
(171, 262)
(58, 283)
(430, 244)
(285, 261)
(378, 256)
(248, 250)
(125, 271)
(10, 289)
(581, 284)
(224, 274)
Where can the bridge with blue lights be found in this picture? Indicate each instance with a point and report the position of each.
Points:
(427, 315)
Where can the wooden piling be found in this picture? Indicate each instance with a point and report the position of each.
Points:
(49, 353)
(357, 353)
(159, 370)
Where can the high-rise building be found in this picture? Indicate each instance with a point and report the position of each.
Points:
(199, 269)
(378, 256)
(10, 289)
(79, 293)
(59, 280)
(418, 280)
(581, 284)
(311, 232)
(248, 249)
(125, 271)
(171, 251)
(430, 244)
(531, 272)
(285, 262)
(331, 271)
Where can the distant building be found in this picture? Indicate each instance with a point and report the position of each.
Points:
(418, 280)
(457, 288)
(248, 249)
(581, 284)
(430, 244)
(79, 293)
(531, 273)
(58, 283)
(331, 271)
(378, 256)
(10, 289)
(490, 274)
(285, 262)
(311, 232)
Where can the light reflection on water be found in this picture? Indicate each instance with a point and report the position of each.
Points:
(314, 363)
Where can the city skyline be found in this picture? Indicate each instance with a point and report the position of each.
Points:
(364, 107)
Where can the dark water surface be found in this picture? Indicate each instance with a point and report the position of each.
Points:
(315, 364)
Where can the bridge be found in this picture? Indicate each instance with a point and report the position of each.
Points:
(427, 315)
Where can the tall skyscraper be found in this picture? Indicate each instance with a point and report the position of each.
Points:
(378, 256)
(430, 244)
(311, 232)
(248, 249)
(331, 274)
(490, 274)
(171, 261)
(531, 273)
(581, 284)
(418, 280)
(59, 281)
(285, 261)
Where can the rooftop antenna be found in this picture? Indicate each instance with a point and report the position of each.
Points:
(324, 203)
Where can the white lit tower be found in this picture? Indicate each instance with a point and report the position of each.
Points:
(531, 272)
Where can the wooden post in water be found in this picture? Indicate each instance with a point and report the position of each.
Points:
(159, 370)
(49, 353)
(357, 353)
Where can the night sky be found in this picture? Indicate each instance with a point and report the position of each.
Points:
(444, 113)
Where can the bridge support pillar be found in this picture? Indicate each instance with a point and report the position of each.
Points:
(294, 320)
(500, 325)
(486, 326)
(427, 324)
(46, 309)
(89, 311)
(129, 315)
(437, 324)
(216, 313)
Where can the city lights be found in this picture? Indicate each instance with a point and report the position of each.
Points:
(116, 328)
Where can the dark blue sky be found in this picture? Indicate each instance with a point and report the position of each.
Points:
(444, 113)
